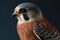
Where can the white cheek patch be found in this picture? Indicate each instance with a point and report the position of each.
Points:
(21, 17)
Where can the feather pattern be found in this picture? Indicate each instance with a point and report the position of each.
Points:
(45, 34)
(46, 31)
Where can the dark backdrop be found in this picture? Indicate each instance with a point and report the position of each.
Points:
(50, 9)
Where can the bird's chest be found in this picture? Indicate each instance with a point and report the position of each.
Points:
(25, 31)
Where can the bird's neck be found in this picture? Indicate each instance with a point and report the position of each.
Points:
(25, 31)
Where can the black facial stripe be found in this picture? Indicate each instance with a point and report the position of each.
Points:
(26, 17)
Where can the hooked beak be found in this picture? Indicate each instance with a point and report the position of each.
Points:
(14, 14)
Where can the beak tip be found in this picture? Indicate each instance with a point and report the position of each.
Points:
(13, 15)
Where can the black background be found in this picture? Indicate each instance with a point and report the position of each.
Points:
(50, 9)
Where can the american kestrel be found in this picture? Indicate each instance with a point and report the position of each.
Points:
(32, 25)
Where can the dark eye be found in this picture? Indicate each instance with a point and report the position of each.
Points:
(22, 10)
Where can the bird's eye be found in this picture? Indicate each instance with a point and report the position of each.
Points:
(22, 10)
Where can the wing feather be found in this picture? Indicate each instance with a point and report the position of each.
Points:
(44, 34)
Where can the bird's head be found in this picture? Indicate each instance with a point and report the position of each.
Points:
(27, 11)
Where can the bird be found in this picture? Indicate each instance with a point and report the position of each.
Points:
(32, 25)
